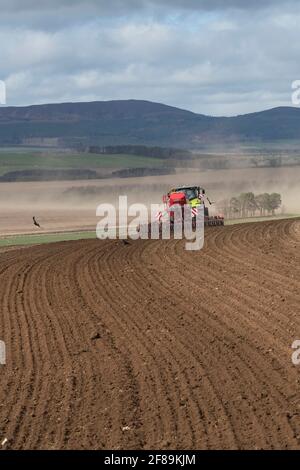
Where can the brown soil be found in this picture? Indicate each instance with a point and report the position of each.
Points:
(150, 346)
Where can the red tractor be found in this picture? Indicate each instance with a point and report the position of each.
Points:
(195, 197)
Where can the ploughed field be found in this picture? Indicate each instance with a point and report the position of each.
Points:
(147, 345)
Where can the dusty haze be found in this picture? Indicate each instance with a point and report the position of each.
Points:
(72, 205)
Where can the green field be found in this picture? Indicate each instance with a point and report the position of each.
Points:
(49, 160)
(16, 240)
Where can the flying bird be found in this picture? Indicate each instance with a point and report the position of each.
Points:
(35, 222)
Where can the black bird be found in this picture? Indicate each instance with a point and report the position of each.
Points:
(35, 222)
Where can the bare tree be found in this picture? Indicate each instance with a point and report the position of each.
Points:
(274, 202)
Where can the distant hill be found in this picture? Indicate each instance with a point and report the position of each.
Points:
(136, 122)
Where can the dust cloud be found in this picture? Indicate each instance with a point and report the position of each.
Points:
(71, 205)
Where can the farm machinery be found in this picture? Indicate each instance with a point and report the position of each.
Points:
(193, 196)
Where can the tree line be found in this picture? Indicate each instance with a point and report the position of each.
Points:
(251, 205)
(141, 150)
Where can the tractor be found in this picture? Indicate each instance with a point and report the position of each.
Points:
(194, 196)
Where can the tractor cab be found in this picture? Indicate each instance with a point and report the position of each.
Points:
(193, 195)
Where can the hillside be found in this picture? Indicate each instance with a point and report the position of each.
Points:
(139, 123)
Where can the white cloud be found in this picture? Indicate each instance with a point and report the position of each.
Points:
(214, 63)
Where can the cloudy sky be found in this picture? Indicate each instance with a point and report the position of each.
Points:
(217, 57)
